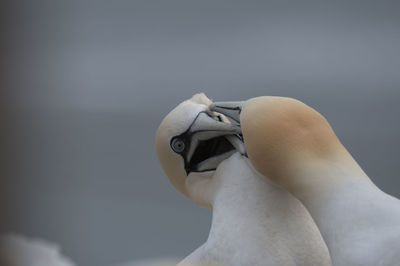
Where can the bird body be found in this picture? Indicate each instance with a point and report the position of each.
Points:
(293, 145)
(254, 221)
(257, 223)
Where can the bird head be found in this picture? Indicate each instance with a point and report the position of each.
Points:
(282, 135)
(191, 142)
(288, 141)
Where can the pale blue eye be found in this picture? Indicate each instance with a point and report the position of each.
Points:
(177, 145)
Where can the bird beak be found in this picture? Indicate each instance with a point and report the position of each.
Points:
(207, 126)
(207, 123)
(230, 109)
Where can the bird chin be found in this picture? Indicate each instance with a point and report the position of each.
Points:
(198, 186)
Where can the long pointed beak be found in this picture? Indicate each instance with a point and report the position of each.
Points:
(205, 123)
(205, 127)
(230, 109)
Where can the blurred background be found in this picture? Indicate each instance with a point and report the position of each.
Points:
(85, 85)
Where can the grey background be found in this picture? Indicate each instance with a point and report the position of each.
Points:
(86, 83)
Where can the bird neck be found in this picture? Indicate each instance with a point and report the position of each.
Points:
(345, 205)
(309, 177)
(242, 206)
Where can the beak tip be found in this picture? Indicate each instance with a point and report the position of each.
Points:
(230, 109)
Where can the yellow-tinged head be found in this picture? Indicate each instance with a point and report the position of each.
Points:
(279, 131)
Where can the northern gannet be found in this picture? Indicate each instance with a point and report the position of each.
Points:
(294, 145)
(254, 222)
(19, 250)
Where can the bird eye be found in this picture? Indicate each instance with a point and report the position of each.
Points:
(177, 145)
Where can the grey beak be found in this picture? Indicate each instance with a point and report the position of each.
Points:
(206, 127)
(205, 124)
(230, 109)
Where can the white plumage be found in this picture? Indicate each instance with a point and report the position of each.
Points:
(295, 146)
(254, 221)
(17, 250)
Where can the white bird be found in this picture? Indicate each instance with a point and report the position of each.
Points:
(254, 222)
(19, 250)
(294, 145)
